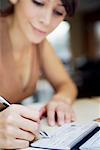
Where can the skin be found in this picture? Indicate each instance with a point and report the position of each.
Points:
(31, 23)
(18, 126)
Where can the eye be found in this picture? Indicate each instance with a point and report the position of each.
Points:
(58, 13)
(38, 2)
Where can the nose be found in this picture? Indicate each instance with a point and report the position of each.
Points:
(46, 16)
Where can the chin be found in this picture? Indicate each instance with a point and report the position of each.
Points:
(37, 41)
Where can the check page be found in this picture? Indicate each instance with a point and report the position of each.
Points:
(65, 137)
(93, 143)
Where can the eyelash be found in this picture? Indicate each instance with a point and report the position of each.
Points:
(58, 13)
(42, 4)
(37, 3)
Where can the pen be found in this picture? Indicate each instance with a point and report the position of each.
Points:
(4, 102)
(7, 104)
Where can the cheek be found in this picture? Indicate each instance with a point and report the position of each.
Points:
(31, 12)
(54, 24)
(26, 10)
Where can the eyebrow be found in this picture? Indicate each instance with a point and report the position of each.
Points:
(61, 4)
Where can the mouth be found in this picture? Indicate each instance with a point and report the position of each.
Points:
(38, 31)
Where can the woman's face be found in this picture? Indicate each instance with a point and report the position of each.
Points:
(37, 18)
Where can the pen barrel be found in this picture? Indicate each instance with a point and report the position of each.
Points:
(3, 103)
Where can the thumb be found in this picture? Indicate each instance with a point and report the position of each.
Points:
(42, 112)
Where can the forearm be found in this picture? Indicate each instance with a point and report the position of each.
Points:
(66, 91)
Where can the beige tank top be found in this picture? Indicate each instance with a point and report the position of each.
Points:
(10, 85)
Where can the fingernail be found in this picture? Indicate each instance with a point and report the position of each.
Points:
(68, 121)
(61, 123)
(52, 123)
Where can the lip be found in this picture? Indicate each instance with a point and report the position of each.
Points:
(38, 31)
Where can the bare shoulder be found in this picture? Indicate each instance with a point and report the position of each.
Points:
(46, 50)
(49, 59)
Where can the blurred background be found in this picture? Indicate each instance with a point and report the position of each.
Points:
(77, 43)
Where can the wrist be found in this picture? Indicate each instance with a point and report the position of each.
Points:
(63, 98)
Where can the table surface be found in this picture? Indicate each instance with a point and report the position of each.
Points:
(86, 111)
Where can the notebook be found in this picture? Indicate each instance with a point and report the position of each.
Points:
(66, 137)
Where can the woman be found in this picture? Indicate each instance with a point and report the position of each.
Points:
(24, 54)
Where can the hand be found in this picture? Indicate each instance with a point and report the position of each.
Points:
(18, 126)
(58, 110)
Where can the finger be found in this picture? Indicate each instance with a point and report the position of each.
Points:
(2, 133)
(24, 135)
(14, 144)
(15, 132)
(60, 116)
(23, 123)
(68, 117)
(73, 116)
(51, 115)
(21, 143)
(26, 112)
(42, 112)
(28, 125)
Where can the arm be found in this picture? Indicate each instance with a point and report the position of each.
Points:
(65, 89)
(56, 74)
